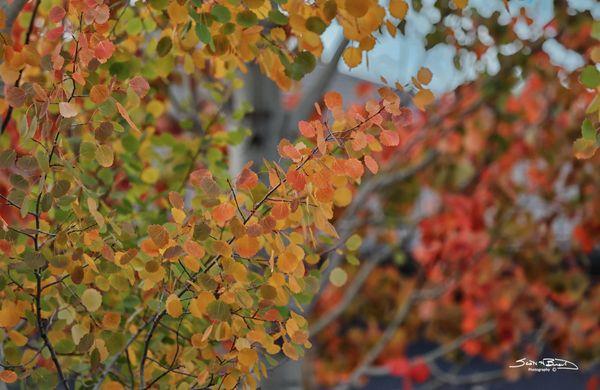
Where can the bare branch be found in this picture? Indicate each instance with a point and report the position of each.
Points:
(352, 289)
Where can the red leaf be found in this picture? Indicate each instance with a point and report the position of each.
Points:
(296, 179)
(139, 85)
(56, 14)
(104, 50)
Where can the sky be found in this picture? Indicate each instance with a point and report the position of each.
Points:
(399, 58)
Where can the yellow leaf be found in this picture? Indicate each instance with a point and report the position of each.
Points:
(338, 277)
(342, 196)
(178, 14)
(461, 3)
(174, 306)
(247, 357)
(105, 156)
(150, 175)
(178, 215)
(91, 299)
(290, 351)
(423, 98)
(352, 56)
(17, 338)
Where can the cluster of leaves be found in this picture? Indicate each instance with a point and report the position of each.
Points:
(108, 267)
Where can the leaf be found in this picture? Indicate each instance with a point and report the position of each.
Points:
(67, 110)
(125, 116)
(584, 148)
(352, 56)
(158, 235)
(587, 130)
(246, 18)
(306, 129)
(371, 164)
(104, 50)
(163, 47)
(174, 306)
(389, 138)
(56, 14)
(247, 179)
(246, 246)
(247, 357)
(105, 155)
(297, 179)
(424, 76)
(139, 85)
(221, 13)
(8, 376)
(398, 9)
(15, 96)
(223, 213)
(7, 158)
(333, 100)
(423, 98)
(338, 277)
(357, 8)
(91, 299)
(218, 311)
(61, 187)
(99, 93)
(590, 76)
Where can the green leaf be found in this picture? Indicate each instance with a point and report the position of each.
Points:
(220, 13)
(204, 35)
(247, 18)
(590, 77)
(278, 18)
(218, 310)
(316, 25)
(588, 131)
(163, 47)
(7, 158)
(596, 30)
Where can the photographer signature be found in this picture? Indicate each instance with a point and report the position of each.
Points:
(545, 364)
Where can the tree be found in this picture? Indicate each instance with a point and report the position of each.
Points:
(129, 258)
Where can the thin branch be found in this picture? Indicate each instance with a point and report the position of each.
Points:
(42, 330)
(350, 292)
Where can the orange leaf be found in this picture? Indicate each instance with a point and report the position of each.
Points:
(306, 129)
(159, 235)
(99, 93)
(125, 116)
(8, 376)
(247, 179)
(223, 213)
(333, 100)
(297, 179)
(371, 164)
(246, 246)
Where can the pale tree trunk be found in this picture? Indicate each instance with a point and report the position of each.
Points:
(270, 123)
